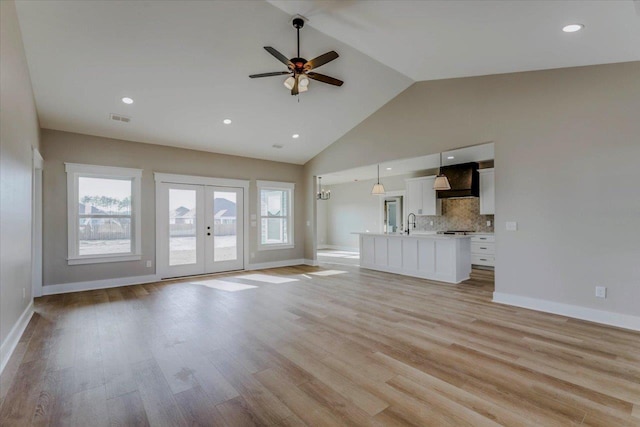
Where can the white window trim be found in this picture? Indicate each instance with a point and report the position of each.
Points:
(275, 185)
(74, 171)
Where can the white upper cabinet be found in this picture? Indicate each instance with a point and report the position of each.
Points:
(421, 197)
(487, 192)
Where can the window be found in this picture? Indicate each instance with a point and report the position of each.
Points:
(103, 214)
(275, 201)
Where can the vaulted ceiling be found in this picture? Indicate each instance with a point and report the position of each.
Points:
(186, 63)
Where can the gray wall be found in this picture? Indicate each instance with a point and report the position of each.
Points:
(567, 146)
(18, 134)
(59, 147)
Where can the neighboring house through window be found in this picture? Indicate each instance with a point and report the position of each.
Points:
(275, 202)
(103, 213)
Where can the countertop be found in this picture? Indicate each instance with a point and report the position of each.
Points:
(419, 235)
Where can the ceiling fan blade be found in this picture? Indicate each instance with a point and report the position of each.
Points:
(280, 57)
(321, 60)
(276, 73)
(325, 79)
(294, 90)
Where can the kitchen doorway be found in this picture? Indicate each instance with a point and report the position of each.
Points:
(392, 212)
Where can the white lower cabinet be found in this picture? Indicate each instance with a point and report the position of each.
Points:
(437, 257)
(483, 250)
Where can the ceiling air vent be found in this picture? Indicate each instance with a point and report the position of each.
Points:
(119, 118)
(277, 146)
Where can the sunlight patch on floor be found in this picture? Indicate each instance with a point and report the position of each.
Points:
(328, 272)
(265, 278)
(223, 285)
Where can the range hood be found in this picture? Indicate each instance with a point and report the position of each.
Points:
(464, 180)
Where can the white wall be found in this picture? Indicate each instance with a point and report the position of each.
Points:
(321, 217)
(567, 146)
(352, 208)
(18, 134)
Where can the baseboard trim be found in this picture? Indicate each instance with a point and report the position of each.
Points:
(311, 262)
(340, 248)
(619, 320)
(275, 264)
(11, 341)
(92, 285)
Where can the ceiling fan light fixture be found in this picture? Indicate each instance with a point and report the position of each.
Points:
(302, 88)
(289, 82)
(303, 81)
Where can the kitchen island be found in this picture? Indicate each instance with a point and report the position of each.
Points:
(446, 258)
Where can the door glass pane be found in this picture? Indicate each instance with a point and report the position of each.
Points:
(182, 227)
(225, 219)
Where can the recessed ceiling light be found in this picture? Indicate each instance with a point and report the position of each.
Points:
(572, 28)
(450, 157)
(389, 169)
(127, 100)
(227, 121)
(295, 136)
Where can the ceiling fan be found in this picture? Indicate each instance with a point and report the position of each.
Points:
(299, 68)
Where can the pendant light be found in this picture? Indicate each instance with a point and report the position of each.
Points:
(322, 194)
(441, 182)
(378, 189)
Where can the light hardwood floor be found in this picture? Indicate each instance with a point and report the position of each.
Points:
(355, 347)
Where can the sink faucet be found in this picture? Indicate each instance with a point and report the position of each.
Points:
(409, 223)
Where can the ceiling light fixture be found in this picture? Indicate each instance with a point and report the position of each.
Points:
(289, 82)
(389, 169)
(295, 136)
(299, 69)
(322, 194)
(442, 182)
(127, 100)
(378, 189)
(572, 28)
(227, 121)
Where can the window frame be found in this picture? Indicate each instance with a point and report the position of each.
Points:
(279, 186)
(75, 171)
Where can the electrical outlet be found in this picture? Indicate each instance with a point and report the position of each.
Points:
(601, 291)
(511, 226)
(149, 264)
(430, 222)
(489, 223)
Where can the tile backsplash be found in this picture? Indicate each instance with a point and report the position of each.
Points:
(457, 214)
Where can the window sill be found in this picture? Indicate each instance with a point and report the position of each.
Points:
(103, 258)
(274, 247)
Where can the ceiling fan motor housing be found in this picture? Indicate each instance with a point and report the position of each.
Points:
(298, 23)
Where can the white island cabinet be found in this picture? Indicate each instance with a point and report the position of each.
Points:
(445, 258)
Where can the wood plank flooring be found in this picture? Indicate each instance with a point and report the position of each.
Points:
(317, 347)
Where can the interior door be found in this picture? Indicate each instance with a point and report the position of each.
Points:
(224, 248)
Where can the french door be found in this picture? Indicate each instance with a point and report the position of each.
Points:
(200, 229)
